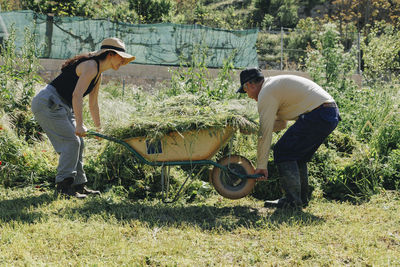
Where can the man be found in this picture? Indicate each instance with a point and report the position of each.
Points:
(279, 99)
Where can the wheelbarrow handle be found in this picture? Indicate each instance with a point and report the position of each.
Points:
(245, 176)
(90, 133)
(254, 176)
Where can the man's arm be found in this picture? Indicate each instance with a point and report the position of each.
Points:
(279, 125)
(267, 108)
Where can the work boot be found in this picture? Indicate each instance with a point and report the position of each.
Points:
(290, 182)
(82, 189)
(278, 203)
(65, 189)
(304, 182)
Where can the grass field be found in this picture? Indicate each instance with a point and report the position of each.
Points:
(39, 229)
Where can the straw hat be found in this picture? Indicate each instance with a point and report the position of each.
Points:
(116, 45)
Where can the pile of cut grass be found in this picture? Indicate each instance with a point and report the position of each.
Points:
(185, 112)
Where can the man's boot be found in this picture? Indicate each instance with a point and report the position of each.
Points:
(83, 189)
(65, 188)
(304, 182)
(290, 182)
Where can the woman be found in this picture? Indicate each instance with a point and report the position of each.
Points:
(58, 110)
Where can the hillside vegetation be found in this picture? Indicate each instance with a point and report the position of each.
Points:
(358, 160)
(288, 27)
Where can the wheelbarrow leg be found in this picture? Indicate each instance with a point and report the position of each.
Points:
(165, 182)
(165, 170)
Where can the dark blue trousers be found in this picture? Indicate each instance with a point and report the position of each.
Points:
(303, 138)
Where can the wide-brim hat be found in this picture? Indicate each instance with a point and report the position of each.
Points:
(116, 45)
(248, 75)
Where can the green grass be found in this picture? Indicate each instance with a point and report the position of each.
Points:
(37, 228)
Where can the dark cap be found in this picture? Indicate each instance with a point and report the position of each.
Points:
(248, 75)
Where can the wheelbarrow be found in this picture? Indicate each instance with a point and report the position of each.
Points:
(232, 176)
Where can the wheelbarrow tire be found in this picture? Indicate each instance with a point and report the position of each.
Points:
(227, 184)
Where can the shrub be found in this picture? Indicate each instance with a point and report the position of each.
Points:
(18, 79)
(329, 64)
(21, 163)
(357, 160)
(381, 52)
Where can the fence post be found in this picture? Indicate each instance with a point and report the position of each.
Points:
(281, 48)
(123, 87)
(359, 54)
(48, 35)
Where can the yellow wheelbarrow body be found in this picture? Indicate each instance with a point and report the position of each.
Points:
(187, 146)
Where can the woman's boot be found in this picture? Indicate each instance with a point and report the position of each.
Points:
(65, 188)
(82, 189)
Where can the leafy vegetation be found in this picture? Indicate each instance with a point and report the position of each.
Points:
(18, 79)
(356, 162)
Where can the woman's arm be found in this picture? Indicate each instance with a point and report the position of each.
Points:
(86, 71)
(94, 105)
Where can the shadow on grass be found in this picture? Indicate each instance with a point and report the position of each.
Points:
(22, 209)
(206, 217)
(292, 217)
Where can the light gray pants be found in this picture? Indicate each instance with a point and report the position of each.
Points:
(58, 121)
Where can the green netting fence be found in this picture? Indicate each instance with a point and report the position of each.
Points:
(154, 44)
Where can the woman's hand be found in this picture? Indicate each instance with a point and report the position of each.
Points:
(80, 131)
(98, 130)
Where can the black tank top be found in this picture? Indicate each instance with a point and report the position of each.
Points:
(65, 83)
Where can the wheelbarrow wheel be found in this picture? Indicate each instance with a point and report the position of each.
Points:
(229, 185)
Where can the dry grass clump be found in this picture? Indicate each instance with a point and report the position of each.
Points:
(156, 117)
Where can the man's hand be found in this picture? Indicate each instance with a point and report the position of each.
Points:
(263, 172)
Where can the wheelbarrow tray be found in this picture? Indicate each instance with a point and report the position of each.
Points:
(192, 145)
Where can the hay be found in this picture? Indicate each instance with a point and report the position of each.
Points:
(183, 113)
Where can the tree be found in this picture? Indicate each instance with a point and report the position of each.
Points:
(309, 4)
(56, 7)
(287, 13)
(365, 13)
(284, 12)
(151, 11)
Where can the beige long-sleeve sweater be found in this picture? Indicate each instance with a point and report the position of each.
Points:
(283, 98)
